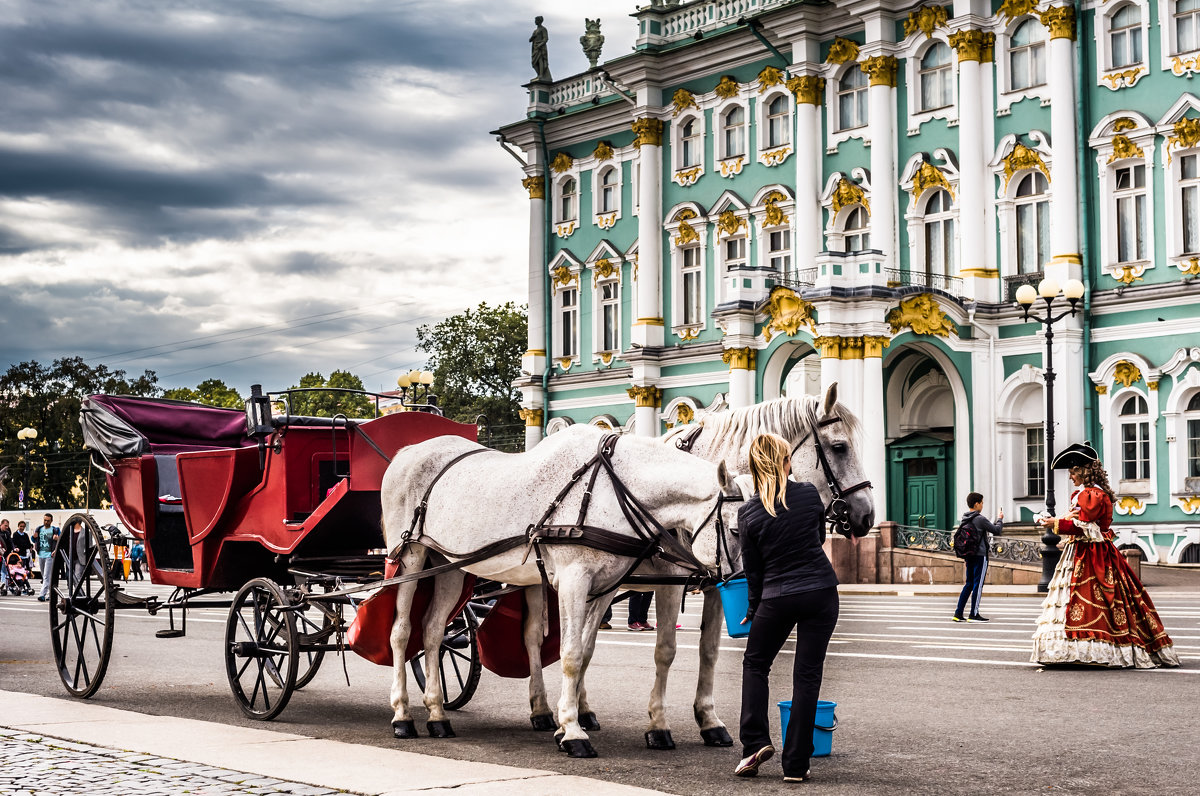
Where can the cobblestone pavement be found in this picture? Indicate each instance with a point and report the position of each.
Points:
(39, 765)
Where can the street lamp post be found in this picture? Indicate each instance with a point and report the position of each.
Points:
(26, 437)
(418, 381)
(1026, 296)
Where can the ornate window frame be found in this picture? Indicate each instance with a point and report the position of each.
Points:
(1117, 77)
(681, 173)
(566, 227)
(601, 218)
(766, 220)
(679, 238)
(682, 410)
(1177, 144)
(1119, 140)
(1112, 396)
(557, 424)
(837, 211)
(918, 47)
(1184, 370)
(565, 273)
(1006, 201)
(834, 136)
(1007, 96)
(917, 181)
(1178, 63)
(730, 205)
(606, 265)
(767, 155)
(727, 165)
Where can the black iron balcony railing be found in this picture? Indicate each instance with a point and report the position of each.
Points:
(1011, 283)
(902, 277)
(795, 279)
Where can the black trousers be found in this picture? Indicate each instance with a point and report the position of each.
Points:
(814, 615)
(639, 606)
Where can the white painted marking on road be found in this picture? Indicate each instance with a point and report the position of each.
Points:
(971, 647)
(927, 658)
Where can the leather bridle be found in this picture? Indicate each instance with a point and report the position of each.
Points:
(838, 513)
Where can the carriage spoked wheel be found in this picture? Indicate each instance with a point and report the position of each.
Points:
(81, 611)
(316, 624)
(459, 657)
(261, 649)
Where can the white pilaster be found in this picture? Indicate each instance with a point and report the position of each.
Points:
(809, 239)
(874, 454)
(882, 125)
(980, 282)
(648, 326)
(533, 361)
(1064, 189)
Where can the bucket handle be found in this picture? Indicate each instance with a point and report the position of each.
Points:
(828, 729)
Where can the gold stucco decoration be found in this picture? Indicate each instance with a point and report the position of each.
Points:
(1127, 373)
(923, 315)
(1022, 157)
(645, 396)
(648, 131)
(687, 233)
(1012, 9)
(828, 347)
(973, 45)
(603, 151)
(768, 77)
(786, 313)
(683, 100)
(1125, 77)
(1128, 273)
(565, 363)
(562, 162)
(930, 176)
(729, 223)
(1123, 149)
(842, 51)
(881, 70)
(808, 89)
(1102, 389)
(727, 88)
(873, 345)
(1128, 504)
(848, 193)
(532, 417)
(739, 358)
(1060, 20)
(925, 19)
(774, 217)
(1123, 124)
(1187, 135)
(1190, 267)
(536, 186)
(562, 276)
(605, 269)
(1190, 505)
(684, 414)
(1153, 385)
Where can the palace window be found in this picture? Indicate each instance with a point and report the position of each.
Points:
(778, 126)
(692, 275)
(1125, 37)
(569, 322)
(610, 305)
(691, 143)
(733, 132)
(1035, 461)
(857, 234)
(1135, 439)
(852, 99)
(937, 78)
(608, 190)
(1033, 223)
(779, 250)
(1187, 26)
(1131, 213)
(735, 253)
(1027, 56)
(1192, 413)
(939, 235)
(1189, 190)
(566, 206)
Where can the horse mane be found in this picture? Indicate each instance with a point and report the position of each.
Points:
(791, 418)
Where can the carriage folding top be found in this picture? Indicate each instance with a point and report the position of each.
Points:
(220, 499)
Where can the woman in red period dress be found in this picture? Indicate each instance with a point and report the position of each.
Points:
(1096, 610)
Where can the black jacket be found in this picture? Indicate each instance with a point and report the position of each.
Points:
(21, 542)
(981, 523)
(782, 555)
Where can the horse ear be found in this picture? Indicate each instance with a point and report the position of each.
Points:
(723, 477)
(830, 398)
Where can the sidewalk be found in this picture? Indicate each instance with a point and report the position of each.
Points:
(123, 752)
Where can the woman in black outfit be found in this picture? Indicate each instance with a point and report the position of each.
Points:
(792, 585)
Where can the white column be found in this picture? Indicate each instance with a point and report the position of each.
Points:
(647, 400)
(979, 281)
(648, 326)
(874, 454)
(533, 361)
(830, 349)
(1064, 189)
(809, 239)
(882, 126)
(741, 363)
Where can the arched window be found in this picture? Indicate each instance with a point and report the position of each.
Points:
(1125, 37)
(608, 191)
(733, 132)
(857, 237)
(939, 235)
(1130, 194)
(1187, 25)
(778, 129)
(1135, 439)
(1033, 223)
(567, 200)
(852, 99)
(691, 143)
(1192, 414)
(937, 78)
(1027, 55)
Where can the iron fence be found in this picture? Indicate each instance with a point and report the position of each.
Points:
(1001, 548)
(903, 277)
(1011, 283)
(797, 279)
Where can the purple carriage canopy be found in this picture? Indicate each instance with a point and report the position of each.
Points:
(118, 426)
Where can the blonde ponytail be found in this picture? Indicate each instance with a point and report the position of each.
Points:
(769, 456)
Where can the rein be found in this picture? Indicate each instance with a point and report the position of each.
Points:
(838, 513)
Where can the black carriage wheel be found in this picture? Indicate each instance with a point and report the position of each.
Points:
(316, 624)
(261, 649)
(459, 657)
(81, 613)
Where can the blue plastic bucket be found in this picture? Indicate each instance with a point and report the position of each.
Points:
(823, 728)
(735, 599)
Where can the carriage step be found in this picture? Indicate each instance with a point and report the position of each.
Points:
(123, 600)
(170, 633)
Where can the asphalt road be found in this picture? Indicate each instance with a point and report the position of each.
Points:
(925, 705)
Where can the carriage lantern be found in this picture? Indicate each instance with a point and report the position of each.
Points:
(258, 413)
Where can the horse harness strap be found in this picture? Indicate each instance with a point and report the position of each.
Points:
(838, 512)
(686, 440)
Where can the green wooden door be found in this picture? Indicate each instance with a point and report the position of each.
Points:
(923, 494)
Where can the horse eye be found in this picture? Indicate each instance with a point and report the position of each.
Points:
(840, 447)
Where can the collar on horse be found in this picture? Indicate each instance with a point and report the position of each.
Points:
(838, 513)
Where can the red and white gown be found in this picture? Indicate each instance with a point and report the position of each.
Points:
(1096, 610)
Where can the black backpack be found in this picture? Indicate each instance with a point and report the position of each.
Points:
(966, 538)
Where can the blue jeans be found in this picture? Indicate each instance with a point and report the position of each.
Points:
(973, 588)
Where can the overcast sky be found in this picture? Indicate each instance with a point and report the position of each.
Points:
(252, 190)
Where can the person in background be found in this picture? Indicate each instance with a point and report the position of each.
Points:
(5, 549)
(136, 557)
(791, 585)
(977, 563)
(23, 545)
(45, 537)
(639, 610)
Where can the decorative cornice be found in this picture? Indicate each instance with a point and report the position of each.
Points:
(648, 131)
(562, 162)
(1123, 149)
(842, 51)
(532, 417)
(923, 315)
(925, 19)
(1023, 157)
(768, 77)
(974, 45)
(1060, 20)
(729, 223)
(808, 89)
(1127, 373)
(848, 193)
(740, 358)
(645, 396)
(930, 176)
(727, 88)
(683, 100)
(1187, 135)
(786, 313)
(536, 186)
(603, 151)
(881, 70)
(1012, 9)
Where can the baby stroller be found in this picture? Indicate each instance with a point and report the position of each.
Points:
(18, 576)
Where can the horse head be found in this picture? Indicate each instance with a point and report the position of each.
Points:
(716, 543)
(827, 457)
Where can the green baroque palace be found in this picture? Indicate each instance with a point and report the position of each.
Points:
(769, 196)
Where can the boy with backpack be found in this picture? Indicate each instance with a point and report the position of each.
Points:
(971, 545)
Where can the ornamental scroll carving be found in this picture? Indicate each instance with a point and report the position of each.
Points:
(727, 88)
(1022, 157)
(605, 269)
(687, 233)
(603, 151)
(848, 193)
(729, 223)
(1123, 124)
(769, 76)
(842, 51)
(562, 162)
(648, 131)
(808, 89)
(683, 100)
(1187, 135)
(925, 19)
(562, 276)
(1123, 149)
(684, 414)
(786, 313)
(923, 315)
(930, 176)
(1127, 373)
(775, 217)
(1012, 9)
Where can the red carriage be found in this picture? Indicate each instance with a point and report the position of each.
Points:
(281, 511)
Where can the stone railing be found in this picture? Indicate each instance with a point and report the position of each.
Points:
(578, 90)
(690, 18)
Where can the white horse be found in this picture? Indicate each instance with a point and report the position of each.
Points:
(435, 499)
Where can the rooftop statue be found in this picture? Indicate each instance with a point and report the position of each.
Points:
(592, 40)
(541, 61)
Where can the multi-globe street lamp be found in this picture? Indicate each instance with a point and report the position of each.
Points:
(419, 382)
(1048, 290)
(26, 436)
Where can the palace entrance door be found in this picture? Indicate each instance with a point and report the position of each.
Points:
(921, 465)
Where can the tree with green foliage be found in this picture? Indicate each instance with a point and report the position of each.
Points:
(328, 404)
(475, 357)
(210, 392)
(48, 399)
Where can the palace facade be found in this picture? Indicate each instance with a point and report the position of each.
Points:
(769, 196)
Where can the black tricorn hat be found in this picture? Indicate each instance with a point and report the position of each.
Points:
(1076, 455)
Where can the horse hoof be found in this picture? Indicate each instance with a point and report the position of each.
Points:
(405, 729)
(588, 722)
(543, 722)
(659, 739)
(716, 736)
(440, 729)
(579, 747)
(558, 738)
